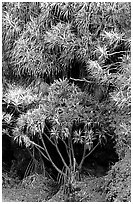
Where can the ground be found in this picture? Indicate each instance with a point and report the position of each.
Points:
(36, 191)
(94, 186)
(35, 188)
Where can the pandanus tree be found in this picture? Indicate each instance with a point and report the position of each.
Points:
(67, 122)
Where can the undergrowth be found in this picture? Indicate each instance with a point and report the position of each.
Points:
(67, 84)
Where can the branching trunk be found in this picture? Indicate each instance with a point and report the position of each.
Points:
(49, 157)
(85, 156)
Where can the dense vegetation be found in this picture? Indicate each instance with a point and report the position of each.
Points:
(66, 79)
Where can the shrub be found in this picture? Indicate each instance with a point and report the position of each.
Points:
(62, 119)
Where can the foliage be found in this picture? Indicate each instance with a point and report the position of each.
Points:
(82, 50)
(14, 19)
(61, 108)
(19, 98)
(101, 15)
(48, 42)
(39, 54)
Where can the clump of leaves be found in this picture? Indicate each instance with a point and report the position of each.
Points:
(44, 54)
(14, 18)
(121, 98)
(19, 97)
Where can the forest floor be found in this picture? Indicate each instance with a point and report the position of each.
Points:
(37, 188)
(88, 190)
(93, 186)
(34, 188)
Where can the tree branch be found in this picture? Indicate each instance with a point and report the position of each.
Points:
(61, 157)
(81, 80)
(83, 157)
(50, 157)
(92, 150)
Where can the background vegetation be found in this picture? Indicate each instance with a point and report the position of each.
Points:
(67, 91)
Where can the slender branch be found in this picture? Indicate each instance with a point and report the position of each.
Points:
(60, 138)
(61, 157)
(55, 144)
(110, 65)
(74, 160)
(50, 157)
(69, 152)
(36, 145)
(66, 146)
(39, 148)
(81, 80)
(42, 153)
(72, 148)
(117, 53)
(31, 155)
(92, 150)
(83, 158)
(28, 168)
(49, 139)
